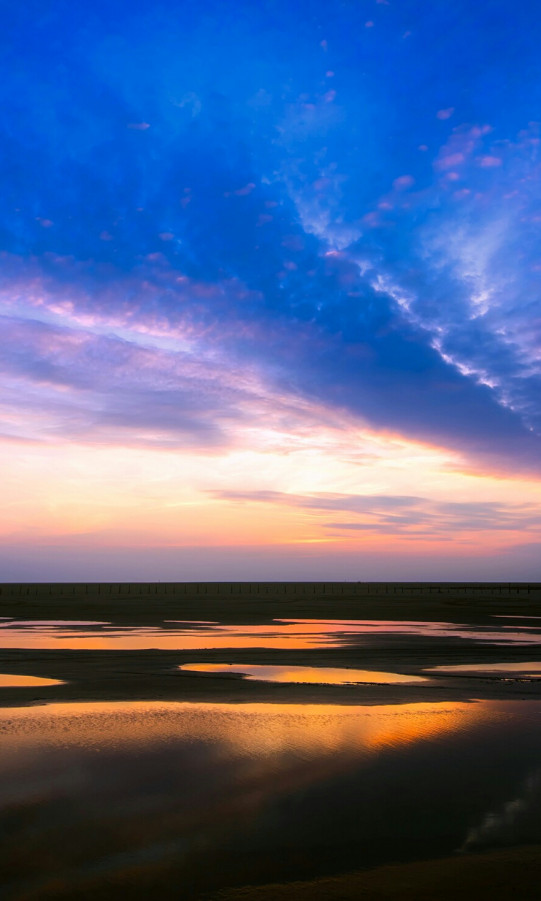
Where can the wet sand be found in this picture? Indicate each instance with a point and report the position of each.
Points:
(94, 674)
(155, 675)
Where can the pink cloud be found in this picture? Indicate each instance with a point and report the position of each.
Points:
(372, 220)
(369, 24)
(166, 236)
(403, 182)
(449, 161)
(489, 162)
(138, 126)
(247, 189)
(478, 131)
(445, 113)
(321, 184)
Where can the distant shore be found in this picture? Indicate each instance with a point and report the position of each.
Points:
(262, 601)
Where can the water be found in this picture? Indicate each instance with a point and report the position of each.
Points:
(170, 799)
(173, 800)
(303, 634)
(524, 669)
(294, 675)
(8, 680)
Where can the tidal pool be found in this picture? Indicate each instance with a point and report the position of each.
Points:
(316, 675)
(529, 670)
(300, 634)
(175, 800)
(8, 680)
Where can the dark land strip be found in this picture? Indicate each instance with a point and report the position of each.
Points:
(256, 602)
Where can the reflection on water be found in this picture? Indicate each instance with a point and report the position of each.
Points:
(279, 634)
(514, 616)
(248, 729)
(530, 669)
(321, 675)
(7, 680)
(173, 800)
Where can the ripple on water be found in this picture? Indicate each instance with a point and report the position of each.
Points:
(204, 791)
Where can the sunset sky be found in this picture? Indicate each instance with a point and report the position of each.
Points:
(270, 290)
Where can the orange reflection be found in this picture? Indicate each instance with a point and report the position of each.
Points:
(324, 675)
(247, 729)
(423, 722)
(522, 668)
(278, 635)
(129, 639)
(7, 680)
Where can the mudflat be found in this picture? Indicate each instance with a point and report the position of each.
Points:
(149, 668)
(153, 765)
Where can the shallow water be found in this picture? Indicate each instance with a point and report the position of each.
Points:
(315, 675)
(169, 799)
(172, 800)
(528, 669)
(8, 680)
(282, 634)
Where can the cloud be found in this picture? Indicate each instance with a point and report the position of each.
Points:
(403, 182)
(247, 211)
(78, 385)
(402, 514)
(489, 162)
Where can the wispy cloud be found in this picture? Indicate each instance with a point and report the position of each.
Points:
(211, 223)
(402, 514)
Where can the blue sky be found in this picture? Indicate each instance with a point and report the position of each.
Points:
(219, 221)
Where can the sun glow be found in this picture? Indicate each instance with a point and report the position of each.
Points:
(328, 488)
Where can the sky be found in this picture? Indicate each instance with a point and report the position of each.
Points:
(270, 290)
